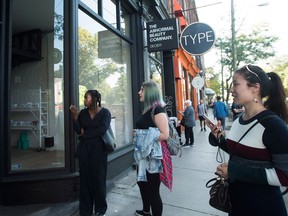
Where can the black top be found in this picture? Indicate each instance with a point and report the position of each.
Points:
(145, 121)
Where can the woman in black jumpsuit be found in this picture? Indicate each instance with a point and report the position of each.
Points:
(91, 123)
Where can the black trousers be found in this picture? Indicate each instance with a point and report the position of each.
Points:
(189, 136)
(93, 171)
(150, 194)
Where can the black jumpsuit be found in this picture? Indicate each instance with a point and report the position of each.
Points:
(92, 161)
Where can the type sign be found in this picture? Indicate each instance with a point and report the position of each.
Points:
(197, 38)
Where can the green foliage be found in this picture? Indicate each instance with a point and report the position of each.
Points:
(212, 80)
(58, 26)
(100, 73)
(280, 66)
(250, 48)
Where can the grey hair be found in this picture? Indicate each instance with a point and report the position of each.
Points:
(188, 102)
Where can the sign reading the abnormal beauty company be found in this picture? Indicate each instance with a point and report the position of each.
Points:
(162, 35)
(197, 38)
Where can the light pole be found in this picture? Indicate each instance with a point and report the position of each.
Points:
(233, 36)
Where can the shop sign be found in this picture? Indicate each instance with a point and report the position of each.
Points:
(197, 38)
(162, 35)
(198, 82)
(110, 46)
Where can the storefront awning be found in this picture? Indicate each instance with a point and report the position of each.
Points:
(209, 91)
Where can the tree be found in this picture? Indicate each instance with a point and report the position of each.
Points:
(92, 70)
(212, 80)
(249, 49)
(280, 66)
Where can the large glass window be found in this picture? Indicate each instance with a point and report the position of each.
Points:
(37, 120)
(109, 12)
(104, 64)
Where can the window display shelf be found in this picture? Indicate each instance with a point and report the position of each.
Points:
(36, 121)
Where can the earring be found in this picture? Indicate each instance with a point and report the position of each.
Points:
(255, 100)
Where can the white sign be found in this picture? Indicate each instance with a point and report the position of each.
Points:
(198, 82)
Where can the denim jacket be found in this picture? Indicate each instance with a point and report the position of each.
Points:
(148, 152)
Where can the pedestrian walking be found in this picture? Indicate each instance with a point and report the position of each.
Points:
(220, 111)
(201, 111)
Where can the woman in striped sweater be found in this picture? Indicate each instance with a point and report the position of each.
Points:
(258, 163)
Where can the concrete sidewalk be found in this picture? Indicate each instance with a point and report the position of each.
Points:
(188, 198)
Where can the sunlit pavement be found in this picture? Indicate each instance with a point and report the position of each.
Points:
(189, 196)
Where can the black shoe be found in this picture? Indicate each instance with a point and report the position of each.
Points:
(191, 144)
(201, 129)
(186, 144)
(142, 213)
(204, 129)
(100, 214)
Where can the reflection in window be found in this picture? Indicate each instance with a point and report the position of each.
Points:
(37, 120)
(93, 4)
(109, 12)
(155, 67)
(125, 21)
(104, 64)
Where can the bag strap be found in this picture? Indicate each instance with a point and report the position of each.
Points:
(265, 117)
(220, 158)
(153, 115)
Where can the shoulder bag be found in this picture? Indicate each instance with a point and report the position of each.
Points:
(109, 141)
(173, 141)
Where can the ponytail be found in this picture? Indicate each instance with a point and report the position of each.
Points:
(276, 97)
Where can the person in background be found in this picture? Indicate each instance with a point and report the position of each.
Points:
(91, 123)
(201, 111)
(149, 164)
(220, 111)
(236, 109)
(189, 116)
(257, 144)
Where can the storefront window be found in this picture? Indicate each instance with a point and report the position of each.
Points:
(125, 22)
(156, 67)
(109, 12)
(104, 64)
(93, 4)
(37, 119)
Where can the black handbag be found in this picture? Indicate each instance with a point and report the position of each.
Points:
(109, 141)
(182, 122)
(219, 194)
(219, 190)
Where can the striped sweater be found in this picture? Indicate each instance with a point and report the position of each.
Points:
(258, 164)
(262, 155)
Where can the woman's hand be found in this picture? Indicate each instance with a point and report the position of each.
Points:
(215, 129)
(74, 111)
(222, 170)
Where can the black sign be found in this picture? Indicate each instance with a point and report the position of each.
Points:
(162, 35)
(197, 38)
